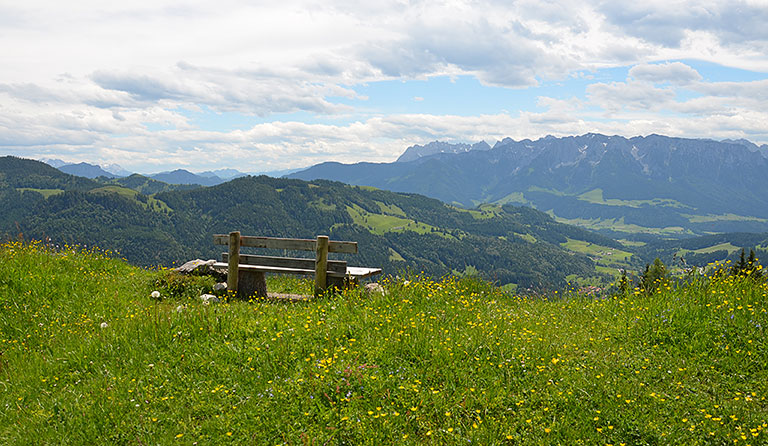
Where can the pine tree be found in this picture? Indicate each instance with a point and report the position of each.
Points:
(624, 282)
(654, 276)
(754, 270)
(741, 267)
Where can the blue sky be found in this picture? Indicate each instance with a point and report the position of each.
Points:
(158, 85)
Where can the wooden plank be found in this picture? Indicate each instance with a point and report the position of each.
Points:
(339, 266)
(234, 255)
(279, 270)
(321, 264)
(287, 243)
(342, 247)
(360, 272)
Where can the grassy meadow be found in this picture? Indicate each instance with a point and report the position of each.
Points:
(87, 356)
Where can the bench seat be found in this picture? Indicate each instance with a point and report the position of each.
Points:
(359, 272)
(356, 272)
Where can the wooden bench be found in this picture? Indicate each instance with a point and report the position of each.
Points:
(246, 273)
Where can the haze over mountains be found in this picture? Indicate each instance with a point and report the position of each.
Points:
(177, 176)
(654, 184)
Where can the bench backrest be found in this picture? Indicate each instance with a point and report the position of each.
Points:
(292, 244)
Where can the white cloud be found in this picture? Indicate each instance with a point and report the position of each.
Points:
(631, 95)
(93, 80)
(665, 22)
(675, 73)
(755, 90)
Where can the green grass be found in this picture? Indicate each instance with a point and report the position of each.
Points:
(322, 205)
(631, 243)
(549, 191)
(395, 256)
(44, 192)
(719, 247)
(381, 224)
(724, 217)
(484, 211)
(608, 260)
(619, 225)
(391, 209)
(596, 196)
(527, 237)
(151, 202)
(429, 362)
(514, 198)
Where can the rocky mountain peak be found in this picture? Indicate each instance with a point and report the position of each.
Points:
(415, 152)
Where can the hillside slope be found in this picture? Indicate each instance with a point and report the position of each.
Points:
(398, 232)
(88, 357)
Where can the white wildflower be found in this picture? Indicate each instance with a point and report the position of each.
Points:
(155, 294)
(208, 298)
(104, 325)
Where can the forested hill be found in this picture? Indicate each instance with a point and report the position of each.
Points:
(396, 231)
(22, 173)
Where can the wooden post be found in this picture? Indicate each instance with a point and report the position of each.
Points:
(251, 283)
(233, 268)
(321, 264)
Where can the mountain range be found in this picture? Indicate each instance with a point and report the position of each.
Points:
(622, 186)
(177, 176)
(403, 233)
(151, 222)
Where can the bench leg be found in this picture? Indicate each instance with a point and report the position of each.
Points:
(251, 283)
(338, 284)
(335, 284)
(351, 283)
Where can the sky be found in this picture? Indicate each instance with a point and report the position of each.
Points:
(263, 86)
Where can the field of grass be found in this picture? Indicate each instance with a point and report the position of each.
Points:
(513, 198)
(44, 192)
(603, 254)
(150, 203)
(391, 209)
(631, 243)
(483, 211)
(719, 247)
(618, 225)
(596, 196)
(608, 260)
(380, 223)
(322, 205)
(88, 357)
(724, 217)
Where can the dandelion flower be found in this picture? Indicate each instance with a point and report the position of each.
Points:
(155, 294)
(104, 325)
